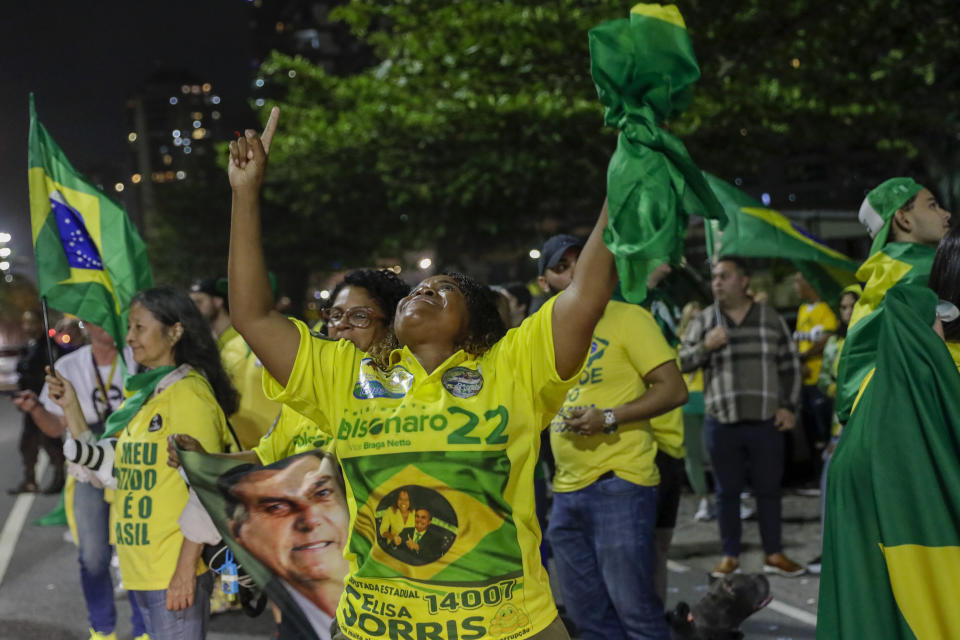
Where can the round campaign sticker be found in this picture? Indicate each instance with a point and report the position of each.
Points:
(462, 382)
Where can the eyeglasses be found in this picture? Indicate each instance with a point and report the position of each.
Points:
(359, 317)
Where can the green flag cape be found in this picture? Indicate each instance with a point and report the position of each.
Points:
(896, 263)
(753, 230)
(643, 68)
(90, 260)
(891, 550)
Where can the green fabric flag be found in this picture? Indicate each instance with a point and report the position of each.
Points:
(643, 68)
(896, 263)
(140, 387)
(891, 550)
(90, 259)
(755, 231)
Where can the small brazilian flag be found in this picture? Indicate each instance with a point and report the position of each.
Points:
(90, 260)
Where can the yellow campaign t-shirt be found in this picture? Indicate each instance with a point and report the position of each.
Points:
(291, 434)
(462, 442)
(150, 495)
(255, 413)
(627, 345)
(814, 321)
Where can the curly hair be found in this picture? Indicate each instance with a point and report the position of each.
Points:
(387, 290)
(485, 324)
(196, 346)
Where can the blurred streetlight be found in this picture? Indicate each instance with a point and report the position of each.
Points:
(425, 263)
(4, 265)
(5, 237)
(534, 254)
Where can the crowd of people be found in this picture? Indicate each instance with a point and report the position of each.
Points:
(420, 459)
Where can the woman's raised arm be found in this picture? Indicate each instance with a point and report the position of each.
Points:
(271, 335)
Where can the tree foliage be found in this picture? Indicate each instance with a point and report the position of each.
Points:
(478, 129)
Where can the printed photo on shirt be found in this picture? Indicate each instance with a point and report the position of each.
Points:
(416, 525)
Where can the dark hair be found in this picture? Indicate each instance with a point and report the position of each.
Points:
(738, 262)
(485, 326)
(384, 286)
(844, 326)
(387, 290)
(196, 346)
(945, 278)
(236, 510)
(519, 291)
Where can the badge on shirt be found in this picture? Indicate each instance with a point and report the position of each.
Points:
(462, 382)
(156, 423)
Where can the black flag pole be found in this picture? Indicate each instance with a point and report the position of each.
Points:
(46, 331)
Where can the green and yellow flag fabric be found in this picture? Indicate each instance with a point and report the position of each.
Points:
(644, 68)
(896, 263)
(891, 550)
(90, 259)
(756, 231)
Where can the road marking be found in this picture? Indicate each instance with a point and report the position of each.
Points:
(794, 612)
(17, 518)
(676, 567)
(800, 615)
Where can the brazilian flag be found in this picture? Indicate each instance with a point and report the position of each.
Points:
(644, 69)
(896, 263)
(753, 230)
(891, 551)
(90, 260)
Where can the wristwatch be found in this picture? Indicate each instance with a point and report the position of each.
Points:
(609, 421)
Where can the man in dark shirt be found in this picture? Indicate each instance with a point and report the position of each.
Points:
(751, 387)
(30, 367)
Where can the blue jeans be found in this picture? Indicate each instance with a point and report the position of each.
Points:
(92, 515)
(186, 624)
(732, 447)
(603, 544)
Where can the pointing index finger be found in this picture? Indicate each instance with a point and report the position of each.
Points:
(270, 129)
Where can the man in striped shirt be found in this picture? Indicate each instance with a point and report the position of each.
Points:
(751, 389)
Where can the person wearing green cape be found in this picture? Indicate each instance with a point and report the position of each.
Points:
(185, 389)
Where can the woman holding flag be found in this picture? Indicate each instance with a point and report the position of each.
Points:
(184, 389)
(482, 398)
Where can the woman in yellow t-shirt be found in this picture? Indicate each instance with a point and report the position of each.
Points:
(185, 389)
(455, 419)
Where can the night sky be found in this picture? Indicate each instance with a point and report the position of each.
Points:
(82, 60)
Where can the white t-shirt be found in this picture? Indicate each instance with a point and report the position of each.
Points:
(77, 367)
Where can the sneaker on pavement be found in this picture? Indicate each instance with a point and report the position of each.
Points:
(96, 635)
(813, 567)
(781, 565)
(705, 511)
(746, 511)
(727, 566)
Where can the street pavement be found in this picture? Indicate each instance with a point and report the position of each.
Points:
(40, 597)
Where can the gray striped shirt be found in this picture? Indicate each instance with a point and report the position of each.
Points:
(756, 373)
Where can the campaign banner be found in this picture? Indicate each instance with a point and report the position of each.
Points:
(287, 524)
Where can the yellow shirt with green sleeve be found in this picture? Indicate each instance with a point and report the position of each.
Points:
(462, 442)
(627, 345)
(150, 495)
(291, 434)
(256, 412)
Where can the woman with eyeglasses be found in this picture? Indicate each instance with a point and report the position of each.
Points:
(454, 417)
(361, 311)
